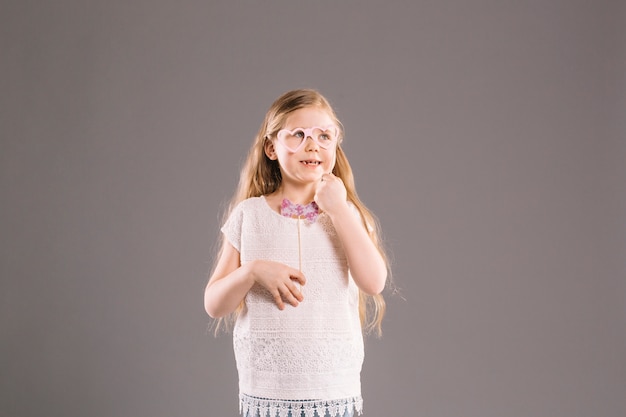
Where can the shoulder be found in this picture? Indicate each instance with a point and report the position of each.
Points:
(249, 204)
(252, 206)
(242, 218)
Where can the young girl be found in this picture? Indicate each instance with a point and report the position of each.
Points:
(300, 270)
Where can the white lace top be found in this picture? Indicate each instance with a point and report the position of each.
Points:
(310, 356)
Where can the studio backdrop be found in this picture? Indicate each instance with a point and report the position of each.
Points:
(487, 136)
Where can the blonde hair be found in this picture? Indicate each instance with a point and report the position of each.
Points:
(261, 176)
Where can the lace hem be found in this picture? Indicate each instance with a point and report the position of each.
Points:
(252, 406)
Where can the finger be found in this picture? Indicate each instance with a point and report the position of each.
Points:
(295, 291)
(289, 296)
(278, 299)
(297, 275)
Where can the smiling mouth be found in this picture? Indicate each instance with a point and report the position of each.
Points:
(311, 162)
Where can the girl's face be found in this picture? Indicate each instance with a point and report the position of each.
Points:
(308, 160)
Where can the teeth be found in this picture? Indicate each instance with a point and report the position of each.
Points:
(311, 162)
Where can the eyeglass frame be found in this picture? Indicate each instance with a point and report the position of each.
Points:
(308, 133)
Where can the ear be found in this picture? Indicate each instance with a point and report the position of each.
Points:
(269, 150)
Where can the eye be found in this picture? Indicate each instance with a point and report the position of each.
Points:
(299, 133)
(327, 135)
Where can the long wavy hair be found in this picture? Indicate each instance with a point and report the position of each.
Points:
(261, 176)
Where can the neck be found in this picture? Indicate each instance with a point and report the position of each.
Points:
(298, 195)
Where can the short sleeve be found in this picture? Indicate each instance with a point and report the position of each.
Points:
(357, 214)
(232, 227)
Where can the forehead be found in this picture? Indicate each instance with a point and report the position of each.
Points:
(309, 117)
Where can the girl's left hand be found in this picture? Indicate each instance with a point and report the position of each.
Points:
(331, 194)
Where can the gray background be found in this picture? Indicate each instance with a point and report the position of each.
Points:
(488, 136)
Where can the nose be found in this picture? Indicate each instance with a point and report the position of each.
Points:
(310, 144)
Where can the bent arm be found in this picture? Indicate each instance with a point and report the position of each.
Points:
(228, 285)
(367, 265)
(231, 281)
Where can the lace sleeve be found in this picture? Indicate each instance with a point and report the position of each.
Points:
(232, 227)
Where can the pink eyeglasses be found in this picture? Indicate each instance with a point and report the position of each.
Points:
(295, 139)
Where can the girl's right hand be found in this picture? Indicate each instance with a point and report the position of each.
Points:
(280, 280)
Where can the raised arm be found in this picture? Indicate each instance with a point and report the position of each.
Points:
(367, 266)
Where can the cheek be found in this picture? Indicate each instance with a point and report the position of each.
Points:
(332, 160)
(285, 159)
(282, 155)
